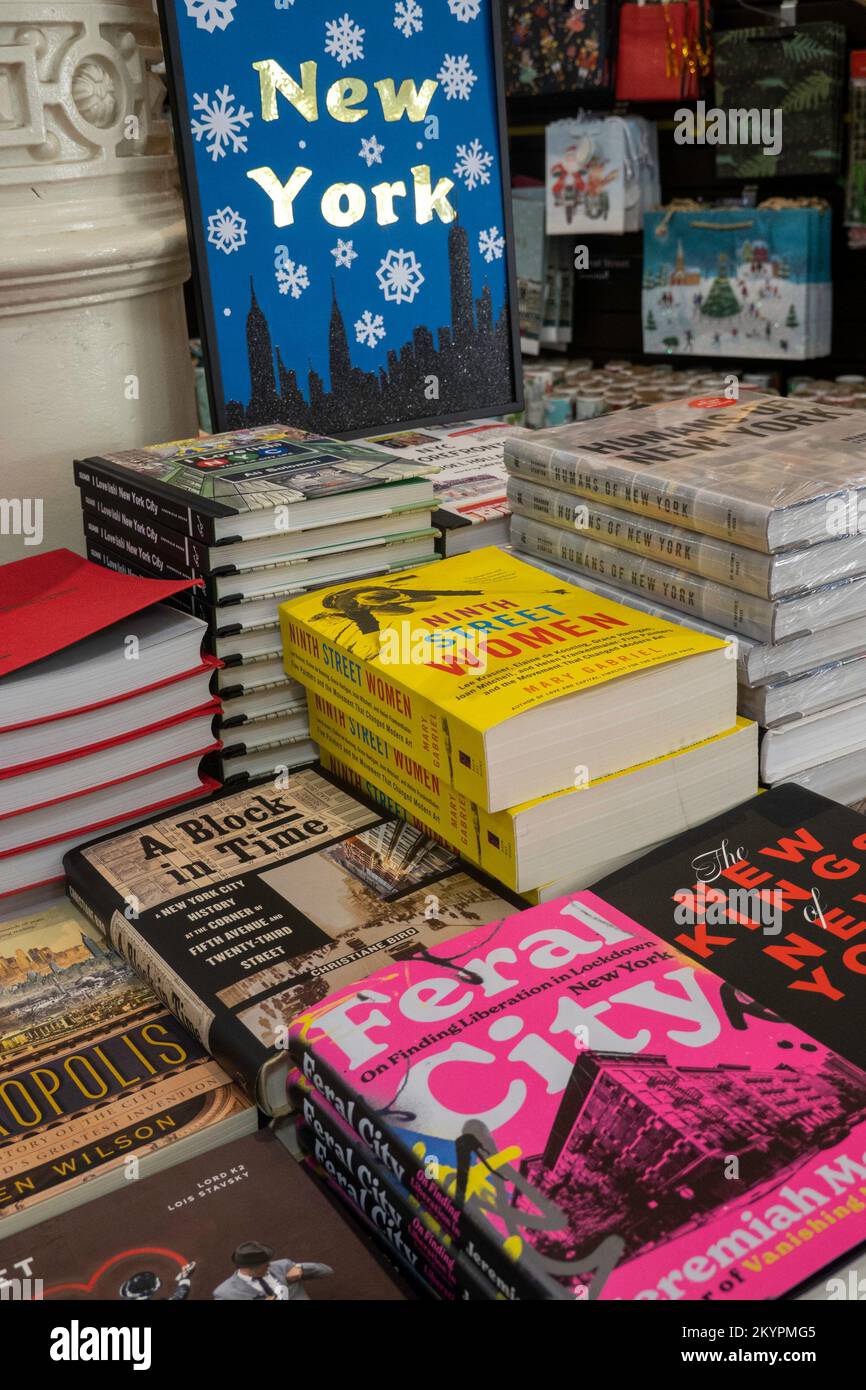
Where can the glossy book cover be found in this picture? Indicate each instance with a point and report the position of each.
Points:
(613, 1116)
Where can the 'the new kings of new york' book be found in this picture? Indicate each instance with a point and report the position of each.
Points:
(243, 910)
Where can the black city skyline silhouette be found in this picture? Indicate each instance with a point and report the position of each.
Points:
(470, 359)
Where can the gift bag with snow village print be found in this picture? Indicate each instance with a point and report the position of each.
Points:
(738, 282)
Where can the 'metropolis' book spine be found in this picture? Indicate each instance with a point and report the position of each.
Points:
(152, 502)
(706, 556)
(714, 603)
(403, 1222)
(420, 1174)
(639, 490)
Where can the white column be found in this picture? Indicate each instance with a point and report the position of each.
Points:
(93, 254)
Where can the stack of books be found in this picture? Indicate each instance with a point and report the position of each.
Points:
(106, 708)
(470, 481)
(545, 733)
(101, 1084)
(616, 1095)
(744, 519)
(256, 515)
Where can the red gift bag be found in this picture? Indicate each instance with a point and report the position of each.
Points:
(664, 51)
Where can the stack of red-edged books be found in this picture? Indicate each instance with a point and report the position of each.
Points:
(106, 708)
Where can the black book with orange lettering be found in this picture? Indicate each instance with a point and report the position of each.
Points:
(771, 896)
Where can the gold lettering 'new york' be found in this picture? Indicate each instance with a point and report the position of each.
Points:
(344, 204)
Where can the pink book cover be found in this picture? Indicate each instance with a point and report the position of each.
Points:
(625, 1124)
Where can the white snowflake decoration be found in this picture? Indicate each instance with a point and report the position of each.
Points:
(464, 10)
(211, 14)
(473, 164)
(292, 279)
(371, 151)
(344, 253)
(457, 77)
(400, 277)
(227, 230)
(345, 40)
(408, 17)
(491, 245)
(369, 329)
(221, 123)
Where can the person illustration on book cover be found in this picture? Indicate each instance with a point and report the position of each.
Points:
(365, 607)
(259, 1276)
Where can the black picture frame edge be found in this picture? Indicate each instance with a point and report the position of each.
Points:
(177, 93)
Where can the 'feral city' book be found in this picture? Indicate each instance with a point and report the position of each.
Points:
(94, 1072)
(768, 473)
(229, 486)
(173, 1236)
(243, 910)
(570, 1097)
(375, 1196)
(502, 682)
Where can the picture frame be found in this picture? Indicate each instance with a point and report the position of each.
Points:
(349, 215)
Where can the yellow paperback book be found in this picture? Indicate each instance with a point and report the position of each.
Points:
(499, 678)
(526, 845)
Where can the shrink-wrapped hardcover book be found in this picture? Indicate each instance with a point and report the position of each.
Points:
(765, 620)
(751, 571)
(767, 473)
(758, 663)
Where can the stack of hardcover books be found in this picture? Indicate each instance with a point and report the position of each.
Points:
(617, 1095)
(106, 708)
(99, 1084)
(470, 482)
(545, 733)
(256, 515)
(748, 520)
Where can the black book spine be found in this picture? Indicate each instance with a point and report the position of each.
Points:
(466, 1224)
(363, 1181)
(155, 501)
(170, 545)
(192, 601)
(141, 558)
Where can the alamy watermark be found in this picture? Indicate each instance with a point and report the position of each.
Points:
(463, 651)
(846, 514)
(737, 126)
(22, 516)
(715, 906)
